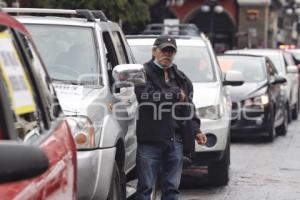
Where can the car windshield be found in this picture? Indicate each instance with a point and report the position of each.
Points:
(194, 61)
(251, 68)
(69, 52)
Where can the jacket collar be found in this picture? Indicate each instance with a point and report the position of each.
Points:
(152, 65)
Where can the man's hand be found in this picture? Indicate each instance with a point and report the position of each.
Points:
(201, 138)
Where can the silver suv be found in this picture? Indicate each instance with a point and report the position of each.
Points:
(88, 60)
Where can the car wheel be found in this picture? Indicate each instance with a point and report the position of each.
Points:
(282, 129)
(219, 171)
(289, 113)
(295, 111)
(271, 132)
(115, 185)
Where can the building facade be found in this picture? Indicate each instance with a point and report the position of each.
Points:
(240, 23)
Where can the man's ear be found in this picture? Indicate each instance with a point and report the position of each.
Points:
(154, 51)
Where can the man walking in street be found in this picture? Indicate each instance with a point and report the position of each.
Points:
(167, 124)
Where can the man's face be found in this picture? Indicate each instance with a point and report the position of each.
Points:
(164, 56)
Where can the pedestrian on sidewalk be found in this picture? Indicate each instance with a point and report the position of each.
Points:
(167, 125)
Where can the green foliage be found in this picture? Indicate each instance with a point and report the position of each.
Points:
(129, 12)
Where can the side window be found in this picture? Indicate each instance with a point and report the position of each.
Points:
(23, 99)
(111, 56)
(7, 130)
(117, 39)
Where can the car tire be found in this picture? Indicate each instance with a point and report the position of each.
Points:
(271, 130)
(289, 113)
(219, 171)
(295, 111)
(282, 128)
(115, 185)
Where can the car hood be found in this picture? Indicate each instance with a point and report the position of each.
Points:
(74, 99)
(247, 90)
(206, 94)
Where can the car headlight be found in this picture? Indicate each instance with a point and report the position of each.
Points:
(257, 101)
(211, 112)
(83, 131)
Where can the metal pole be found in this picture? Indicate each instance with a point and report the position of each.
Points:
(212, 25)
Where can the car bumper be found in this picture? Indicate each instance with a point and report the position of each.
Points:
(94, 173)
(251, 122)
(219, 128)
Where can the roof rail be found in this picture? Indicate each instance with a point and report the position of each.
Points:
(99, 14)
(203, 36)
(172, 29)
(90, 15)
(155, 36)
(86, 13)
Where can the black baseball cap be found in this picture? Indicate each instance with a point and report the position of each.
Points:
(165, 41)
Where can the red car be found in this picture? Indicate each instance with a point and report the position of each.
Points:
(37, 151)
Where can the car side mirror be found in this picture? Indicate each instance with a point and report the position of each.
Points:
(20, 161)
(233, 78)
(56, 108)
(278, 80)
(128, 75)
(292, 69)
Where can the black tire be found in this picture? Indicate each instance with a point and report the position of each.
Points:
(271, 131)
(289, 113)
(115, 185)
(219, 171)
(295, 111)
(282, 129)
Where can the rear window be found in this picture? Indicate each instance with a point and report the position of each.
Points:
(251, 68)
(69, 52)
(194, 61)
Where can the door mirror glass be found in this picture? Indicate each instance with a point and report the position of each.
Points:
(19, 161)
(128, 75)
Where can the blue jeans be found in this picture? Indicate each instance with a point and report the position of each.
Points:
(153, 158)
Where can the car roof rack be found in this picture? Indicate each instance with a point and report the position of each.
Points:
(171, 29)
(155, 36)
(90, 15)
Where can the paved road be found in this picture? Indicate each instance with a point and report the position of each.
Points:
(259, 171)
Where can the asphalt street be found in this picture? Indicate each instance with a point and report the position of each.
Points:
(259, 170)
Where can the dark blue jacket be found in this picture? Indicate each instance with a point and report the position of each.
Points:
(155, 122)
